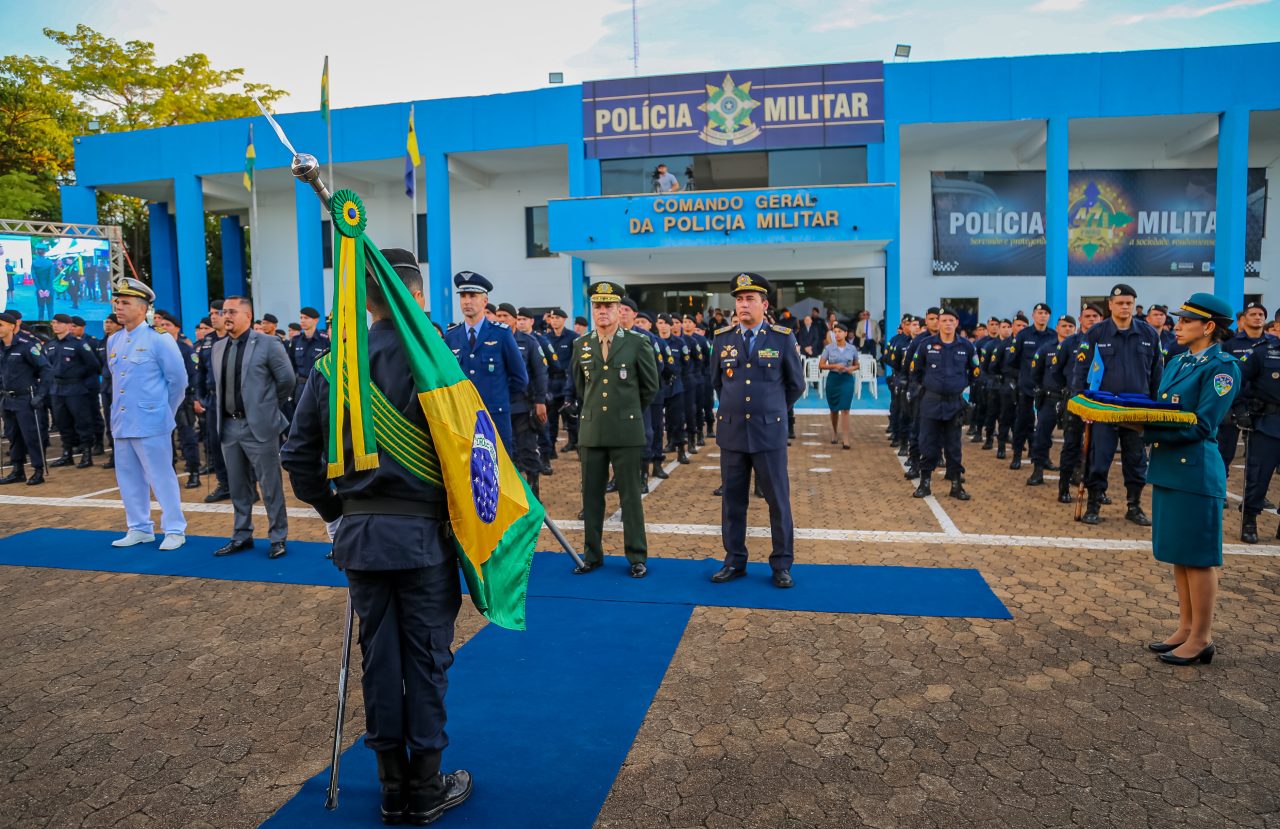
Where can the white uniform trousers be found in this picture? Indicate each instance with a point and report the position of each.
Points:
(143, 466)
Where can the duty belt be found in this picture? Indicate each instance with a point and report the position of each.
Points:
(435, 510)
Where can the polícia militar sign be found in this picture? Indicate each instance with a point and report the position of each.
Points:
(748, 109)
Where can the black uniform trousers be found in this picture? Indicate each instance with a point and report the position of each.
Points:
(98, 401)
(1261, 462)
(913, 425)
(707, 409)
(74, 415)
(1072, 447)
(525, 435)
(1008, 411)
(555, 416)
(104, 400)
(937, 436)
(1024, 420)
(654, 423)
(693, 390)
(595, 476)
(1228, 440)
(1046, 421)
(978, 397)
(673, 413)
(406, 636)
(992, 415)
(771, 475)
(896, 406)
(1102, 451)
(188, 442)
(21, 432)
(213, 445)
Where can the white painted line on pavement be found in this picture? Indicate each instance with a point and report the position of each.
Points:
(948, 526)
(92, 494)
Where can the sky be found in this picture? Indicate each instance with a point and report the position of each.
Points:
(383, 51)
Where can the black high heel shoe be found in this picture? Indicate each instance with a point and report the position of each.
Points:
(1162, 647)
(1205, 656)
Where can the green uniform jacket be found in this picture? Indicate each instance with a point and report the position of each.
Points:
(614, 395)
(1188, 459)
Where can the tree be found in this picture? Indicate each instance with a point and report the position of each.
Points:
(38, 121)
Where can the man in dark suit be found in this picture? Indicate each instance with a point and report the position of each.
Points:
(758, 376)
(253, 379)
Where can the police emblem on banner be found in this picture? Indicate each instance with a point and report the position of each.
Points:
(728, 108)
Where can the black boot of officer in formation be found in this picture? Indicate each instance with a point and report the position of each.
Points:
(1249, 527)
(430, 793)
(86, 459)
(1092, 506)
(658, 472)
(1037, 475)
(67, 459)
(1134, 513)
(1016, 463)
(957, 490)
(924, 489)
(1064, 490)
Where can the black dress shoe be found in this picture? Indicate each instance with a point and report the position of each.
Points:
(456, 788)
(1205, 656)
(727, 573)
(277, 549)
(232, 547)
(110, 464)
(587, 567)
(17, 476)
(547, 470)
(220, 493)
(1162, 647)
(782, 578)
(719, 491)
(638, 570)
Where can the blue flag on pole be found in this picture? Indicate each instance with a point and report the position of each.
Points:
(1095, 370)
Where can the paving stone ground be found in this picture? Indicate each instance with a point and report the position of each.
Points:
(139, 701)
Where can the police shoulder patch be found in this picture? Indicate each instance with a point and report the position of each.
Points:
(1222, 383)
(88, 347)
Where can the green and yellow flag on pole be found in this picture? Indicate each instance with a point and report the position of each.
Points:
(324, 91)
(249, 157)
(494, 516)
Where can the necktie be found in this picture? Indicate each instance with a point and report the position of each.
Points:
(604, 350)
(748, 337)
(471, 339)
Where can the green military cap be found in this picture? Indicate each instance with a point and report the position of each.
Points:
(606, 292)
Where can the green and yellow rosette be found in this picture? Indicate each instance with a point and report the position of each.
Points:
(349, 390)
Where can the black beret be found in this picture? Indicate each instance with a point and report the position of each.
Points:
(948, 312)
(1067, 318)
(525, 312)
(630, 303)
(400, 258)
(579, 320)
(15, 313)
(1122, 289)
(271, 318)
(77, 321)
(558, 312)
(7, 316)
(166, 316)
(1040, 306)
(112, 317)
(309, 312)
(66, 318)
(645, 315)
(293, 326)
(935, 311)
(1021, 316)
(1249, 306)
(203, 321)
(507, 307)
(664, 318)
(1164, 309)
(491, 308)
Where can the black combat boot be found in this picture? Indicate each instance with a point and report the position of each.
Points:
(894, 442)
(1050, 466)
(1064, 491)
(693, 442)
(65, 460)
(1249, 527)
(1134, 513)
(1016, 463)
(681, 455)
(86, 460)
(193, 480)
(612, 486)
(17, 476)
(37, 477)
(1091, 507)
(904, 450)
(711, 428)
(976, 437)
(393, 774)
(658, 472)
(111, 461)
(644, 479)
(986, 444)
(912, 472)
(1037, 475)
(1000, 451)
(430, 792)
(957, 490)
(702, 441)
(923, 489)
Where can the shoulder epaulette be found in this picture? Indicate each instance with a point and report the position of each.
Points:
(724, 330)
(500, 325)
(1225, 357)
(781, 329)
(453, 325)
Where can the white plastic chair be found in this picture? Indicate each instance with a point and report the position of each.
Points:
(867, 374)
(814, 375)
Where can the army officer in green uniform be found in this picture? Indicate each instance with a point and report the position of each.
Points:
(616, 377)
(1188, 482)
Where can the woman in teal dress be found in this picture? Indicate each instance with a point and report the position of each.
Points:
(1188, 482)
(840, 360)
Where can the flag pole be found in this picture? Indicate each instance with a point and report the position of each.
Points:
(413, 204)
(253, 244)
(328, 120)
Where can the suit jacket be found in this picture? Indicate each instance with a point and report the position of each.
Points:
(266, 381)
(616, 392)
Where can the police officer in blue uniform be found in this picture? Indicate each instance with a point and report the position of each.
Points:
(941, 369)
(1061, 374)
(392, 541)
(913, 393)
(1251, 323)
(303, 351)
(25, 379)
(891, 358)
(1049, 386)
(978, 387)
(487, 353)
(682, 327)
(1018, 357)
(1129, 351)
(110, 325)
(95, 384)
(527, 322)
(707, 398)
(75, 369)
(654, 458)
(673, 405)
(758, 375)
(529, 407)
(1259, 418)
(560, 386)
(1157, 316)
(629, 315)
(206, 402)
(185, 416)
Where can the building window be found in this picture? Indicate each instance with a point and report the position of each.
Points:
(422, 237)
(536, 241)
(737, 171)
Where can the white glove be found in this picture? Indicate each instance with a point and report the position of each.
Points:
(331, 527)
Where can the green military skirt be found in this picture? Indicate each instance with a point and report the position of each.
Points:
(1186, 528)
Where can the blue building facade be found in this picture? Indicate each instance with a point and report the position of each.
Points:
(530, 167)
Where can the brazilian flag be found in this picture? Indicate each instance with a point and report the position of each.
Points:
(250, 157)
(494, 515)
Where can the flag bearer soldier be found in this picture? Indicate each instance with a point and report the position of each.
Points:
(528, 408)
(25, 379)
(1128, 352)
(1062, 375)
(1249, 333)
(615, 376)
(673, 407)
(390, 532)
(941, 368)
(1049, 386)
(1018, 356)
(560, 384)
(758, 376)
(75, 368)
(487, 353)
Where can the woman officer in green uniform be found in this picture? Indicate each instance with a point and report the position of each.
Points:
(1186, 474)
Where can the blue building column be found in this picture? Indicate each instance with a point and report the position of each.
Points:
(1233, 170)
(1056, 174)
(234, 275)
(889, 164)
(193, 272)
(584, 181)
(79, 205)
(310, 247)
(164, 257)
(439, 241)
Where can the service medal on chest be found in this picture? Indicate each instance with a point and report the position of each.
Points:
(622, 374)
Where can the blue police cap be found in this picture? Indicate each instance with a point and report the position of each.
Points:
(1204, 306)
(746, 281)
(470, 282)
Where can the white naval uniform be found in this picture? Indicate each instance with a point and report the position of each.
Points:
(148, 383)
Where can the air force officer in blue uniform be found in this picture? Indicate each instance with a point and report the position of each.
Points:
(488, 353)
(148, 384)
(758, 377)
